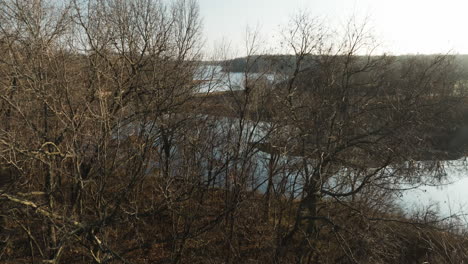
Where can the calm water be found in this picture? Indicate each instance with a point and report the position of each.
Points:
(218, 81)
(449, 198)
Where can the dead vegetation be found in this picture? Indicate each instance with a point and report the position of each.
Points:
(109, 153)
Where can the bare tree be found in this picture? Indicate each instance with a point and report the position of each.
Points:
(358, 122)
(113, 149)
(109, 79)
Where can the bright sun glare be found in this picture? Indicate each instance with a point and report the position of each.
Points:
(402, 27)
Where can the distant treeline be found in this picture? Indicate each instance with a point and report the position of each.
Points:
(264, 63)
(287, 63)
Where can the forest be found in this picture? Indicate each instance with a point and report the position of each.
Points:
(116, 145)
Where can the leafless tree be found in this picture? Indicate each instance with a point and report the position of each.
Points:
(113, 149)
(88, 87)
(359, 123)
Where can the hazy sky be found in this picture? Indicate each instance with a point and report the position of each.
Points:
(402, 26)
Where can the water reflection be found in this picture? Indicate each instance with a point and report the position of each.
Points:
(449, 198)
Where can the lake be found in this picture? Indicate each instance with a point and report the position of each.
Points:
(449, 198)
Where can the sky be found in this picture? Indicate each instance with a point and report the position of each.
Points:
(400, 26)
